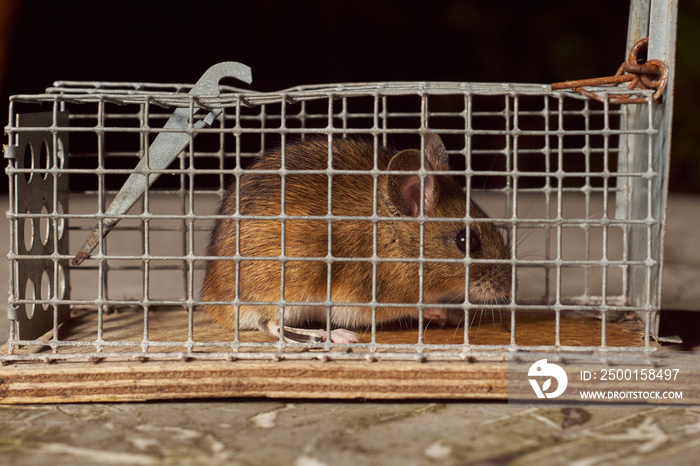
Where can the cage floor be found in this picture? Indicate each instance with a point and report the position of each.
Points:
(167, 331)
(128, 379)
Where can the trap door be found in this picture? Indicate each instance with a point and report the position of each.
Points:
(645, 153)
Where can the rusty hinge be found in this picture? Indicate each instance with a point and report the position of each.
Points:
(650, 74)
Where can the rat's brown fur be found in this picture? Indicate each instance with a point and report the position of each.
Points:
(399, 196)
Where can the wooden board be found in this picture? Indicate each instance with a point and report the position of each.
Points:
(128, 380)
(68, 383)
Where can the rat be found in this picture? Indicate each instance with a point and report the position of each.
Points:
(402, 201)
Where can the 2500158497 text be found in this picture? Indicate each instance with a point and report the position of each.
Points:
(647, 374)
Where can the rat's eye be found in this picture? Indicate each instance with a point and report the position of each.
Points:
(474, 241)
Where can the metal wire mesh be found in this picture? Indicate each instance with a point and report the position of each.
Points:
(553, 170)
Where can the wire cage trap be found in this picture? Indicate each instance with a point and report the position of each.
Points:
(114, 191)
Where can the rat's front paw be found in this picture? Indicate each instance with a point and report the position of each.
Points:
(435, 316)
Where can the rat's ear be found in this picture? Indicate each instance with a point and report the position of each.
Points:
(435, 153)
(405, 190)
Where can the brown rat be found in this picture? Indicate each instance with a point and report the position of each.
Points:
(351, 281)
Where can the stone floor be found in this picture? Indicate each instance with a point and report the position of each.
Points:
(313, 434)
(305, 433)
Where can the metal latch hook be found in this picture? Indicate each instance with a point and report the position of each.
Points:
(164, 149)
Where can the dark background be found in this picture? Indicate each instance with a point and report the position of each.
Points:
(320, 41)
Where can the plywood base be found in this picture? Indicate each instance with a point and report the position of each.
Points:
(68, 383)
